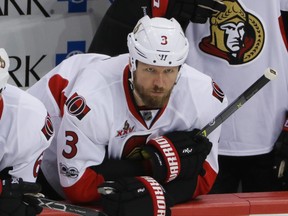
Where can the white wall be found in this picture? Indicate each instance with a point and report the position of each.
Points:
(38, 34)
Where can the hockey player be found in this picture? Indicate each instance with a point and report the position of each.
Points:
(25, 132)
(234, 48)
(128, 124)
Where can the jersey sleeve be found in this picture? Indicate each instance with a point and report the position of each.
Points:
(78, 149)
(34, 134)
(52, 88)
(216, 99)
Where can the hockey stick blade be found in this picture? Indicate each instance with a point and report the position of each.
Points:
(269, 74)
(65, 207)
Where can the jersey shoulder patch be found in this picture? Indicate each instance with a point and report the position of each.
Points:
(217, 92)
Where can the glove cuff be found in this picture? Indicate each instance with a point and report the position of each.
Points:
(157, 194)
(170, 156)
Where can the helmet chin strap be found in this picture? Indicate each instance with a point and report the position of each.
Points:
(178, 76)
(138, 99)
(131, 83)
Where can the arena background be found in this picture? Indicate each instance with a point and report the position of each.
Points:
(39, 34)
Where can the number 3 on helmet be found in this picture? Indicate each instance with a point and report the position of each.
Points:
(157, 41)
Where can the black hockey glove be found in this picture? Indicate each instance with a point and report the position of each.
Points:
(197, 11)
(179, 154)
(281, 158)
(141, 196)
(12, 199)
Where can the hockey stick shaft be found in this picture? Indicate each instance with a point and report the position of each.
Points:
(65, 207)
(269, 74)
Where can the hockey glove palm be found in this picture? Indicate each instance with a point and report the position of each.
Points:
(12, 199)
(179, 154)
(132, 196)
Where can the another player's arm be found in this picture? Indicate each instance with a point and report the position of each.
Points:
(33, 141)
(21, 176)
(115, 22)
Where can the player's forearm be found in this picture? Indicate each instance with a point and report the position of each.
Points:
(113, 169)
(85, 189)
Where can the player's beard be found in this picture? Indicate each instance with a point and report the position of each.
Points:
(153, 102)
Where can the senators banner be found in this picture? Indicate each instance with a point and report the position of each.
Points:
(39, 34)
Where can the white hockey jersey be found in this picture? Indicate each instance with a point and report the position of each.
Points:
(25, 132)
(234, 48)
(89, 99)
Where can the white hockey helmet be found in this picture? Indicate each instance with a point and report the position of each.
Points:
(157, 41)
(4, 65)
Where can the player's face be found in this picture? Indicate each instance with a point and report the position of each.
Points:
(234, 35)
(154, 84)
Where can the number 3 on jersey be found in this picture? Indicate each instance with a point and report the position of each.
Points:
(72, 140)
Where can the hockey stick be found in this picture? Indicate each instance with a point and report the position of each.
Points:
(269, 74)
(64, 207)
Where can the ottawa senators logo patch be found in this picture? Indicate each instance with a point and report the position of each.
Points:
(236, 35)
(48, 130)
(217, 92)
(76, 106)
